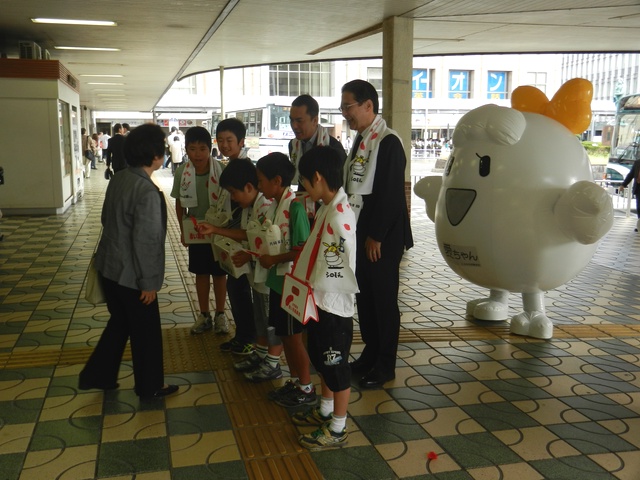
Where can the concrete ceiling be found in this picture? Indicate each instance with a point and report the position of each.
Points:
(161, 41)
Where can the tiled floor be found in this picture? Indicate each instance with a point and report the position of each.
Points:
(488, 404)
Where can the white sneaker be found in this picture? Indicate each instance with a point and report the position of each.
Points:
(203, 323)
(220, 323)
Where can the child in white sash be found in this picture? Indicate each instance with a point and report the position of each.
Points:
(334, 287)
(230, 135)
(275, 173)
(196, 189)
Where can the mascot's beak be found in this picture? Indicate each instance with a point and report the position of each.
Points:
(458, 202)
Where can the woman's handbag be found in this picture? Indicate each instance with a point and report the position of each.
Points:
(94, 293)
(297, 294)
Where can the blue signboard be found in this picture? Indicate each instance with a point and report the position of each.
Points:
(497, 85)
(420, 87)
(459, 84)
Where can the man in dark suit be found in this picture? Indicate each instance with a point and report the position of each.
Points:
(375, 184)
(633, 175)
(115, 150)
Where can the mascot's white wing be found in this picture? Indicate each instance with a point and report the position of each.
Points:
(584, 212)
(428, 189)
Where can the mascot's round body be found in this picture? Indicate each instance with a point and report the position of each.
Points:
(516, 211)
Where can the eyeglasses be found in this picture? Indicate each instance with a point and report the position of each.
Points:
(344, 108)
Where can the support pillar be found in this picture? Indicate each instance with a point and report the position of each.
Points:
(397, 64)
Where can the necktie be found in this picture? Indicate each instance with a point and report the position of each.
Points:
(355, 146)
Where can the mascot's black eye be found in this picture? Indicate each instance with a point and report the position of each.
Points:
(484, 165)
(447, 169)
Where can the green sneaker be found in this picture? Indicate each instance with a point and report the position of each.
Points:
(311, 417)
(242, 348)
(323, 438)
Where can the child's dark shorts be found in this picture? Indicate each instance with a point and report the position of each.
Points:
(329, 345)
(201, 260)
(284, 323)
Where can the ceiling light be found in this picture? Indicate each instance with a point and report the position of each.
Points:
(110, 95)
(96, 49)
(103, 83)
(94, 75)
(67, 21)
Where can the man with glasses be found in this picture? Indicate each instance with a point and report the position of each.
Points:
(374, 181)
(304, 117)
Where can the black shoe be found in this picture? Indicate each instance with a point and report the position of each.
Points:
(360, 366)
(90, 386)
(162, 392)
(375, 379)
(635, 229)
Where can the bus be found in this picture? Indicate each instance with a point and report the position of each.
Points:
(625, 143)
(268, 129)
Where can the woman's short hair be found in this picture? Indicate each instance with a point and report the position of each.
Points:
(143, 145)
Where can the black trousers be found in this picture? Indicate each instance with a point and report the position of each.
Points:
(239, 293)
(377, 304)
(134, 321)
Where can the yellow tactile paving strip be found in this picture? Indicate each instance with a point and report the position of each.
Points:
(184, 352)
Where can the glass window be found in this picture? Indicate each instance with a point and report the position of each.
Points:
(459, 84)
(299, 78)
(422, 83)
(498, 85)
(374, 77)
(538, 80)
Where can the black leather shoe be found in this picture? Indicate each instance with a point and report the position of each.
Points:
(375, 379)
(162, 392)
(360, 366)
(90, 386)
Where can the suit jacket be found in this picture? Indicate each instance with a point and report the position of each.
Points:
(385, 215)
(134, 219)
(115, 153)
(633, 175)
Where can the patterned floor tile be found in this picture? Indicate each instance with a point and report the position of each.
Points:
(441, 422)
(477, 450)
(73, 462)
(133, 426)
(203, 448)
(132, 457)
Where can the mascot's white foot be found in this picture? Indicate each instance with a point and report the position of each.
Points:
(487, 309)
(493, 309)
(532, 324)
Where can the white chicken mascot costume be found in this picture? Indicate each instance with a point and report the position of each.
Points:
(516, 209)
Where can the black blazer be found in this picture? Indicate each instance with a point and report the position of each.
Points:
(633, 175)
(115, 153)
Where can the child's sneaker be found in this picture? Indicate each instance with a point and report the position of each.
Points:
(297, 397)
(263, 373)
(323, 438)
(248, 364)
(311, 417)
(242, 348)
(203, 324)
(220, 323)
(283, 390)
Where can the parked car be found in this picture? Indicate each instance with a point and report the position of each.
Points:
(615, 174)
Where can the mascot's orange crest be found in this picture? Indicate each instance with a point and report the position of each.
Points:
(571, 105)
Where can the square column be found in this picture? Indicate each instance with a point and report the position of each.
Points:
(397, 64)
